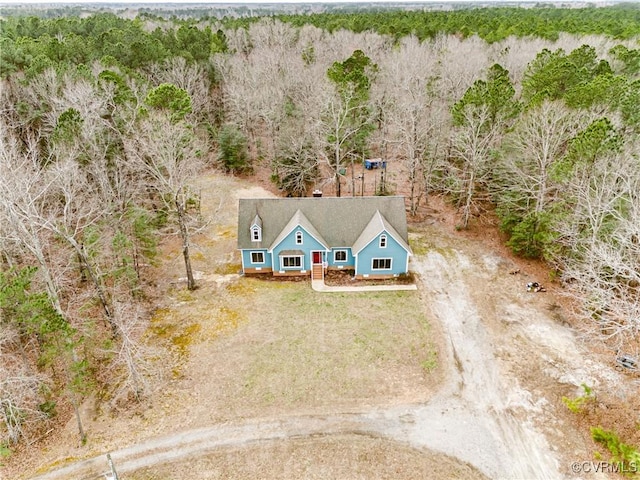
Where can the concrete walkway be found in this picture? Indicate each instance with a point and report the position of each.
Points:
(319, 286)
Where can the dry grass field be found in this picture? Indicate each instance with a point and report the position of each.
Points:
(344, 457)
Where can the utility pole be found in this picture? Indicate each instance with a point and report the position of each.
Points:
(112, 475)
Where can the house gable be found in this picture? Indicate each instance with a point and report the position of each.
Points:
(379, 227)
(286, 252)
(299, 224)
(374, 260)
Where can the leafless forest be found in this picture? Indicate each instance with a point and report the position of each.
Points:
(96, 165)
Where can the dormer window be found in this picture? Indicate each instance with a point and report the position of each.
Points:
(383, 241)
(298, 237)
(256, 229)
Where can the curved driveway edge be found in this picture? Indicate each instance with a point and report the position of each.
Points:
(436, 428)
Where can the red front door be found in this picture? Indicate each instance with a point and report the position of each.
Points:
(317, 258)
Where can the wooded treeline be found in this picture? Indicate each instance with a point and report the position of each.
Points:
(105, 122)
(491, 24)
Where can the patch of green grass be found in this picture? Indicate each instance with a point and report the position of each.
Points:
(577, 404)
(5, 451)
(167, 326)
(161, 315)
(420, 244)
(164, 331)
(627, 457)
(430, 363)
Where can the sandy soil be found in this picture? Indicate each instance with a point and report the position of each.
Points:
(492, 409)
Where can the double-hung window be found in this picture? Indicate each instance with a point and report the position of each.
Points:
(381, 264)
(291, 262)
(257, 257)
(340, 256)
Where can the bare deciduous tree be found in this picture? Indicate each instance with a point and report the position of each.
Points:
(472, 144)
(23, 190)
(413, 113)
(339, 130)
(19, 388)
(190, 77)
(131, 356)
(171, 156)
(539, 140)
(602, 237)
(526, 186)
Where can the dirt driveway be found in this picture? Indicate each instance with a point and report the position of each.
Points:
(505, 360)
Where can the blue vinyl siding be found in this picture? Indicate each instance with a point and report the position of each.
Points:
(308, 245)
(350, 263)
(393, 250)
(247, 263)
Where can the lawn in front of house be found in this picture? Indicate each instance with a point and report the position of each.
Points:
(293, 349)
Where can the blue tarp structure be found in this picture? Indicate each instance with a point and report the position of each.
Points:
(372, 163)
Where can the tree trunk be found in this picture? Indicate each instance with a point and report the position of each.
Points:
(412, 187)
(81, 432)
(337, 169)
(99, 288)
(93, 275)
(184, 234)
(466, 213)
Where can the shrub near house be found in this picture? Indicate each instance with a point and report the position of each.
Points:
(295, 236)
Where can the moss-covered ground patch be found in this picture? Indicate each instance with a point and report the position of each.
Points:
(228, 268)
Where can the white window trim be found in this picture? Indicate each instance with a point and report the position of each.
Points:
(255, 229)
(301, 257)
(257, 263)
(346, 256)
(300, 235)
(383, 238)
(382, 258)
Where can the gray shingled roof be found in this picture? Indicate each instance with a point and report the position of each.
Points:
(340, 221)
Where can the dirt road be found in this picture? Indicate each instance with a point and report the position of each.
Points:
(478, 402)
(498, 336)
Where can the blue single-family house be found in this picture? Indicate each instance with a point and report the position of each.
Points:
(307, 236)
